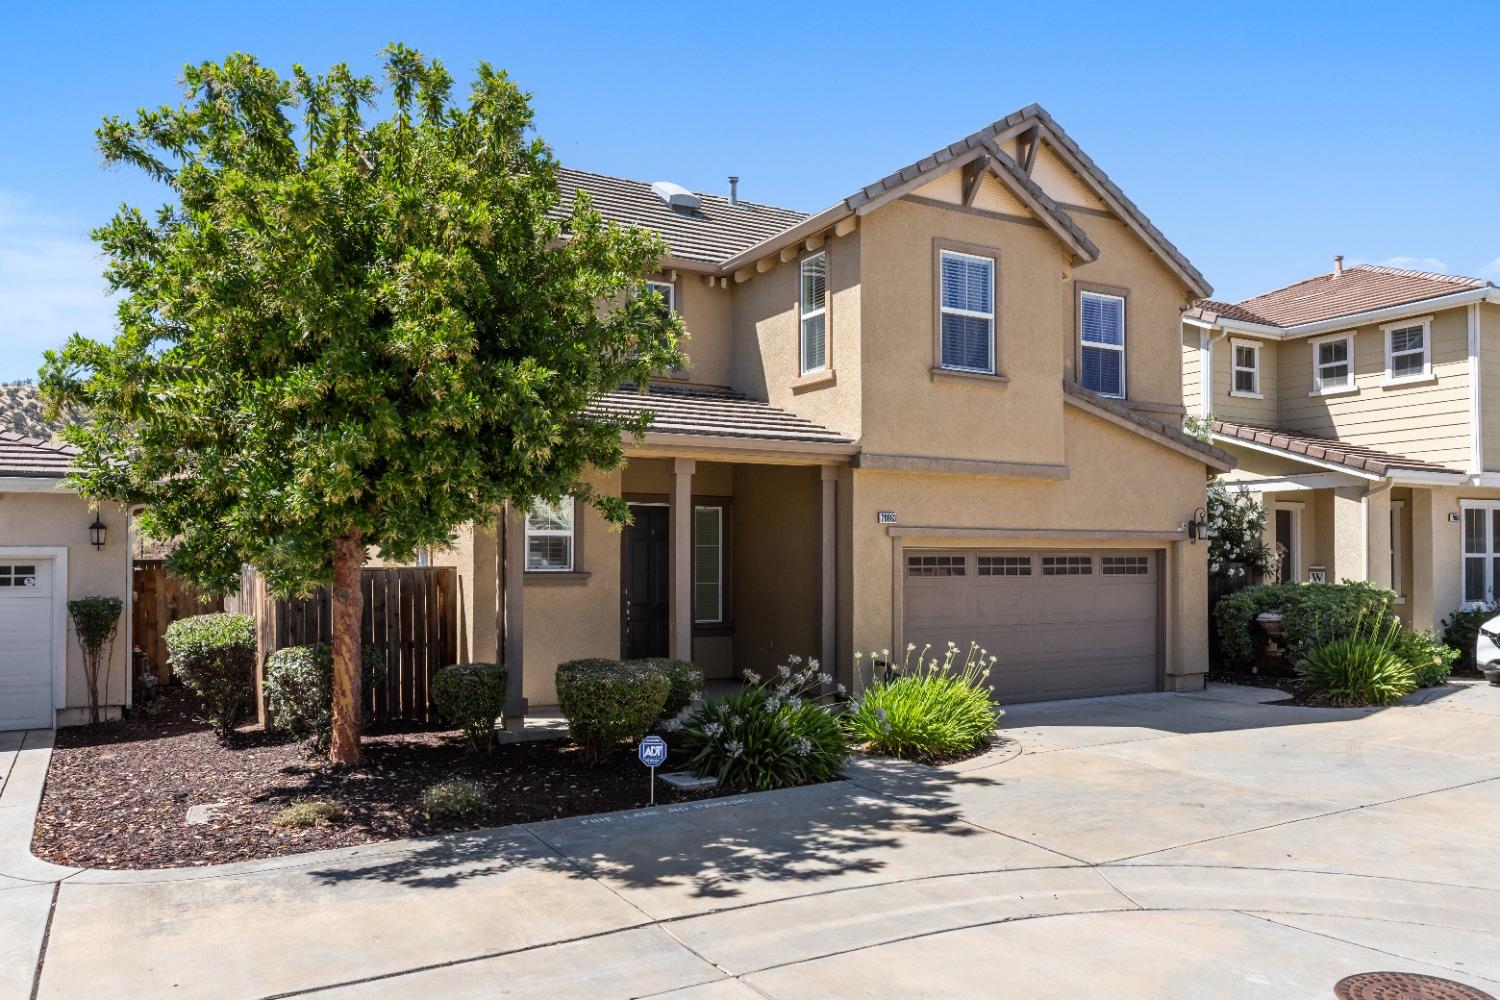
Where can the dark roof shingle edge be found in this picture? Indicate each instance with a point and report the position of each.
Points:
(1331, 450)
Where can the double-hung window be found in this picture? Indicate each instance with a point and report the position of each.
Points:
(814, 310)
(966, 312)
(1408, 350)
(1101, 334)
(1333, 364)
(667, 291)
(549, 537)
(1246, 363)
(1481, 549)
(708, 565)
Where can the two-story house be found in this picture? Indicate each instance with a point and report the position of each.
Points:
(1363, 407)
(946, 408)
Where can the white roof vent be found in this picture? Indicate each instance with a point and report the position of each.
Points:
(676, 196)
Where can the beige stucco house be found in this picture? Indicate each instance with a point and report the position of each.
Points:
(47, 557)
(946, 408)
(1363, 407)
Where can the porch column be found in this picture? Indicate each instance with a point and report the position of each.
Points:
(510, 564)
(1378, 538)
(828, 606)
(681, 647)
(1349, 549)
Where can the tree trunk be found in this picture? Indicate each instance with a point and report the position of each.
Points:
(348, 607)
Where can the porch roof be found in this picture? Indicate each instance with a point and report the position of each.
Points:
(33, 457)
(713, 412)
(1345, 453)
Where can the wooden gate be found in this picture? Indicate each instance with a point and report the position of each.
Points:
(160, 599)
(411, 615)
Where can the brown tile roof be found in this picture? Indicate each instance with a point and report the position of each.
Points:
(29, 456)
(1173, 433)
(1354, 456)
(713, 233)
(1360, 288)
(714, 412)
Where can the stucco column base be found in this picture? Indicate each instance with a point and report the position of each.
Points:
(1185, 682)
(681, 575)
(1349, 553)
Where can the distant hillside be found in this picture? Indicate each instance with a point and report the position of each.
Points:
(21, 411)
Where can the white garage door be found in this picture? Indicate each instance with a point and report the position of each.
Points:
(26, 644)
(1064, 624)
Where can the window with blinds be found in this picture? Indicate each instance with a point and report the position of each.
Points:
(967, 312)
(549, 537)
(708, 565)
(1406, 354)
(814, 346)
(1333, 363)
(1101, 322)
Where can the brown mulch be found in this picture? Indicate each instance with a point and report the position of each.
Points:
(118, 793)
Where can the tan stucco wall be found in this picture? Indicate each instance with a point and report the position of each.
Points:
(776, 564)
(705, 316)
(62, 520)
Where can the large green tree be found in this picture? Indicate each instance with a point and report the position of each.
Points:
(347, 329)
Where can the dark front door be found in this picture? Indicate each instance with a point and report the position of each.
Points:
(645, 582)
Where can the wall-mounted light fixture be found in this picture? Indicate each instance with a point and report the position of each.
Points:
(1198, 527)
(96, 532)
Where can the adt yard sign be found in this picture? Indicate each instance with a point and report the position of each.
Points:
(652, 751)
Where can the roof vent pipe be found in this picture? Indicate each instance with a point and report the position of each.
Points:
(1338, 265)
(734, 190)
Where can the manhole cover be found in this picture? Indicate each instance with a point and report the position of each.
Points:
(1404, 986)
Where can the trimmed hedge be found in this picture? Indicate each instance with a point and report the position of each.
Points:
(685, 682)
(1313, 614)
(471, 696)
(215, 657)
(299, 690)
(609, 701)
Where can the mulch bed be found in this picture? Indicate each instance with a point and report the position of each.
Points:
(118, 793)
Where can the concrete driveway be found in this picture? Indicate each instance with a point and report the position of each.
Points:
(1151, 846)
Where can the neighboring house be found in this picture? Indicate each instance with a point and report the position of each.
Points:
(47, 559)
(946, 408)
(1363, 406)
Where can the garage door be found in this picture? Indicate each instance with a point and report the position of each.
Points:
(26, 644)
(1064, 624)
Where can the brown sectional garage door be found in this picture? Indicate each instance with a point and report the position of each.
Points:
(1065, 624)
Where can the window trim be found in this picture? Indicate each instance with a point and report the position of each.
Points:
(718, 511)
(1389, 329)
(1235, 368)
(802, 318)
(571, 534)
(1105, 292)
(1318, 389)
(992, 257)
(1489, 555)
(725, 505)
(1294, 508)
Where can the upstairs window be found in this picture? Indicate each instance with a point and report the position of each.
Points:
(1246, 361)
(1333, 364)
(549, 537)
(814, 335)
(966, 309)
(1101, 333)
(1408, 351)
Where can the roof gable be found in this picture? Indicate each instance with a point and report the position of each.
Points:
(1056, 178)
(1358, 289)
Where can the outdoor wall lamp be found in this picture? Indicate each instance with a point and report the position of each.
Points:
(1198, 527)
(96, 532)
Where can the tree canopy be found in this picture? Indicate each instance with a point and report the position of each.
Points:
(343, 328)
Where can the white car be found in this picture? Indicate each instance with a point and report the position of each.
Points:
(1487, 646)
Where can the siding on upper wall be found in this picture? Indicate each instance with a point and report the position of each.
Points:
(1244, 409)
(1192, 371)
(1489, 382)
(1427, 420)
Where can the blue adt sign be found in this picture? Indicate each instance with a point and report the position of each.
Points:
(652, 750)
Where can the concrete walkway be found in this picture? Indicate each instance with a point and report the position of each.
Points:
(1155, 846)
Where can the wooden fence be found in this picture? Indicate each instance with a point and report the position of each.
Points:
(411, 615)
(159, 600)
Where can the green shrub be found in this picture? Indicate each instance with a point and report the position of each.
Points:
(309, 812)
(455, 798)
(607, 701)
(1431, 661)
(299, 690)
(1313, 614)
(1359, 669)
(1461, 631)
(927, 709)
(685, 680)
(215, 657)
(764, 737)
(471, 696)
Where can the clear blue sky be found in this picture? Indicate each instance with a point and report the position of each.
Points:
(1261, 141)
